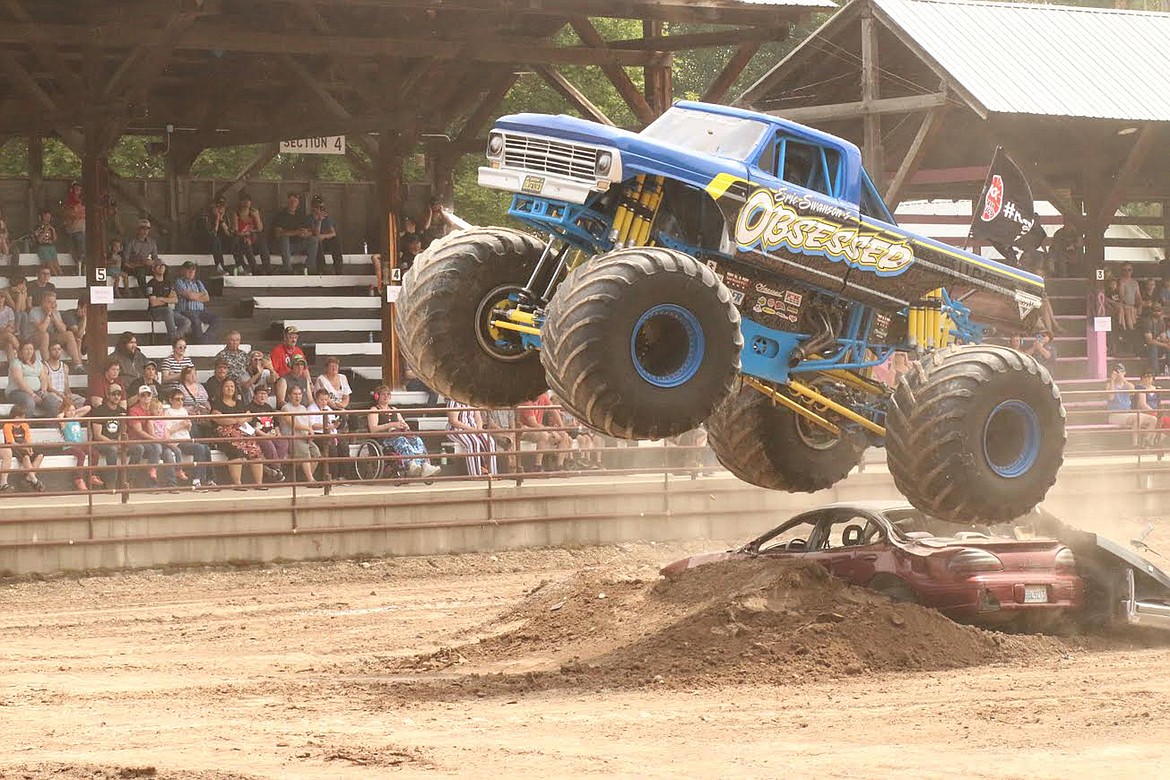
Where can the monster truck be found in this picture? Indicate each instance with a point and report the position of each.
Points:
(733, 268)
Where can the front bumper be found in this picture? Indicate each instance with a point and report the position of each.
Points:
(545, 185)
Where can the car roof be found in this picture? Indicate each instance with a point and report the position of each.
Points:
(872, 505)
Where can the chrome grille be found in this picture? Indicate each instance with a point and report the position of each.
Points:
(549, 156)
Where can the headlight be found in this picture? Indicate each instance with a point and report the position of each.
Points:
(970, 560)
(604, 164)
(495, 145)
(1065, 559)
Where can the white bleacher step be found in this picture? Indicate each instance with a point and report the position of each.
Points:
(312, 280)
(316, 302)
(332, 326)
(60, 282)
(119, 304)
(350, 348)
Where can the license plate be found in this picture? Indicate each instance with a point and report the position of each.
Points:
(1035, 594)
(533, 185)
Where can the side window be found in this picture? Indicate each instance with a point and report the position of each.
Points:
(872, 204)
(806, 165)
(793, 538)
(845, 532)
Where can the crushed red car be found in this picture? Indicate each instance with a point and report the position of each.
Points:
(968, 572)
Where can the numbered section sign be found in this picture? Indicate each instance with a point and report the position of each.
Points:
(326, 144)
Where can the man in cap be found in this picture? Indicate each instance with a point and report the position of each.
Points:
(141, 252)
(298, 376)
(214, 383)
(193, 300)
(294, 232)
(161, 299)
(217, 225)
(258, 373)
(284, 352)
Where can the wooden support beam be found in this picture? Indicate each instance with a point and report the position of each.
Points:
(263, 156)
(930, 124)
(575, 97)
(95, 181)
(659, 91)
(213, 36)
(145, 63)
(330, 103)
(839, 111)
(689, 41)
(36, 177)
(872, 151)
(1146, 139)
(617, 75)
(487, 106)
(731, 71)
(44, 49)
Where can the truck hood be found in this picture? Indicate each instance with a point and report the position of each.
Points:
(640, 155)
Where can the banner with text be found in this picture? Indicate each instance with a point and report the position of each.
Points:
(326, 144)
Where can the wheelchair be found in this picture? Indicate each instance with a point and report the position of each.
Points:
(372, 462)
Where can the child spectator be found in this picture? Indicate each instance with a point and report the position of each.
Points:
(170, 451)
(18, 438)
(17, 293)
(325, 426)
(1131, 298)
(45, 236)
(178, 430)
(119, 279)
(73, 221)
(335, 385)
(74, 436)
(386, 423)
(465, 427)
(267, 434)
(143, 432)
(296, 426)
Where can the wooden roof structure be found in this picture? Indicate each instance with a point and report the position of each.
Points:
(386, 73)
(921, 86)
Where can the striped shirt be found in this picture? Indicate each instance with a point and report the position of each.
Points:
(172, 365)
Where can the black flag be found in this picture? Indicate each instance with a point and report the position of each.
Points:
(1004, 214)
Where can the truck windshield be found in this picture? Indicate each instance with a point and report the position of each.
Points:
(725, 136)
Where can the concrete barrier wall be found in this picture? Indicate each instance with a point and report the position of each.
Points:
(223, 528)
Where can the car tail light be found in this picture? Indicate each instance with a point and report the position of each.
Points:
(970, 560)
(1065, 559)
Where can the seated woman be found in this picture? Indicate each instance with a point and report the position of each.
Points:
(1121, 409)
(240, 445)
(18, 438)
(298, 429)
(386, 423)
(465, 427)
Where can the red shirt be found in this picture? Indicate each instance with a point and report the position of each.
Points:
(282, 358)
(530, 414)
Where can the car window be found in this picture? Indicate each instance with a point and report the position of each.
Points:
(811, 166)
(791, 538)
(872, 205)
(845, 531)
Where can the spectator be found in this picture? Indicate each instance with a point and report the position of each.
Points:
(1155, 339)
(195, 398)
(386, 423)
(240, 445)
(17, 293)
(141, 253)
(294, 232)
(45, 324)
(178, 429)
(538, 423)
(58, 373)
(214, 383)
(1065, 250)
(236, 358)
(73, 221)
(45, 236)
(161, 300)
(250, 237)
(193, 300)
(1149, 291)
(74, 436)
(143, 432)
(435, 223)
(173, 364)
(267, 433)
(409, 250)
(324, 426)
(465, 428)
(258, 373)
(107, 431)
(586, 454)
(217, 226)
(1121, 408)
(99, 387)
(9, 335)
(335, 385)
(28, 384)
(1149, 402)
(326, 232)
(77, 320)
(296, 426)
(115, 262)
(41, 285)
(170, 451)
(1043, 348)
(284, 352)
(5, 468)
(1131, 298)
(18, 439)
(501, 426)
(6, 255)
(298, 377)
(130, 359)
(150, 379)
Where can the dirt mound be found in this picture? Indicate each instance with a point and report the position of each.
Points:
(765, 621)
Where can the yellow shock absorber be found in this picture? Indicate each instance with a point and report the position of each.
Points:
(930, 330)
(651, 210)
(640, 212)
(625, 213)
(913, 315)
(636, 197)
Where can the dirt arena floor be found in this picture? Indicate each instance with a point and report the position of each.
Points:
(549, 664)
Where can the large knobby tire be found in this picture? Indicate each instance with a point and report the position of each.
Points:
(768, 445)
(442, 314)
(641, 343)
(975, 433)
